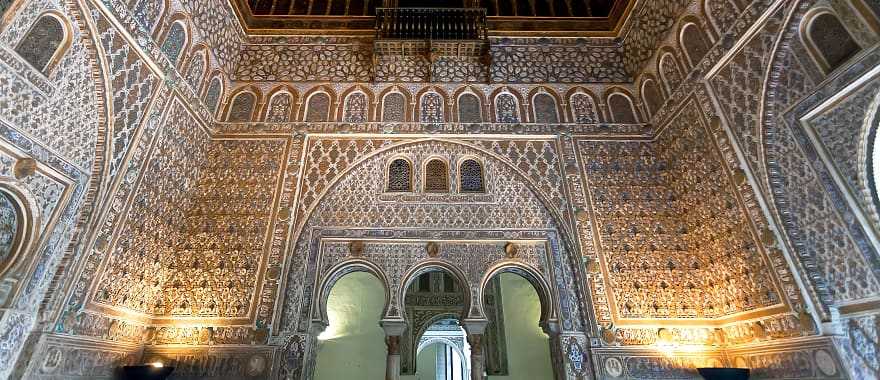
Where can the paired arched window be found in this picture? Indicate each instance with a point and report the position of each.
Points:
(399, 176)
(436, 176)
(242, 108)
(44, 43)
(394, 108)
(318, 109)
(469, 109)
(829, 41)
(470, 174)
(174, 42)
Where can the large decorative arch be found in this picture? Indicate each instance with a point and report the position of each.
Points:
(27, 218)
(320, 238)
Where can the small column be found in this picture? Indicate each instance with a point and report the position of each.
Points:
(475, 330)
(393, 330)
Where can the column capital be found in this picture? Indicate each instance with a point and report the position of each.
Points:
(475, 326)
(393, 327)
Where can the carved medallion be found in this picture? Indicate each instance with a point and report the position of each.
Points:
(510, 250)
(825, 362)
(433, 249)
(356, 248)
(25, 167)
(613, 367)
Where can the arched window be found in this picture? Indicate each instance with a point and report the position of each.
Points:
(506, 109)
(670, 72)
(694, 43)
(147, 12)
(174, 42)
(436, 176)
(356, 108)
(242, 108)
(545, 109)
(584, 109)
(14, 230)
(830, 41)
(279, 108)
(622, 110)
(399, 176)
(432, 108)
(196, 70)
(469, 109)
(318, 109)
(44, 43)
(212, 96)
(393, 108)
(651, 96)
(470, 173)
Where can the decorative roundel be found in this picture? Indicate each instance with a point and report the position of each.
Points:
(256, 365)
(825, 363)
(613, 367)
(52, 359)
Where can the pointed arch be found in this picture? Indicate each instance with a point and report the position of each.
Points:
(47, 40)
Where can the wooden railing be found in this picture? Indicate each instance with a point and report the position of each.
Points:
(431, 23)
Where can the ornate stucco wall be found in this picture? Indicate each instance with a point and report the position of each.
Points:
(726, 215)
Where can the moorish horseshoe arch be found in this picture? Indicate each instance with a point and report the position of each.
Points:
(306, 258)
(319, 313)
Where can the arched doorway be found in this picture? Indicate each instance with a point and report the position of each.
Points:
(443, 352)
(520, 309)
(353, 335)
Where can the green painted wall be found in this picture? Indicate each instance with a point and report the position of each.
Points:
(426, 364)
(528, 348)
(353, 346)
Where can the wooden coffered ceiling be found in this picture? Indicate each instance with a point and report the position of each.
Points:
(599, 18)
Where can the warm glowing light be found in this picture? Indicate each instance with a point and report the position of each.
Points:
(157, 364)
